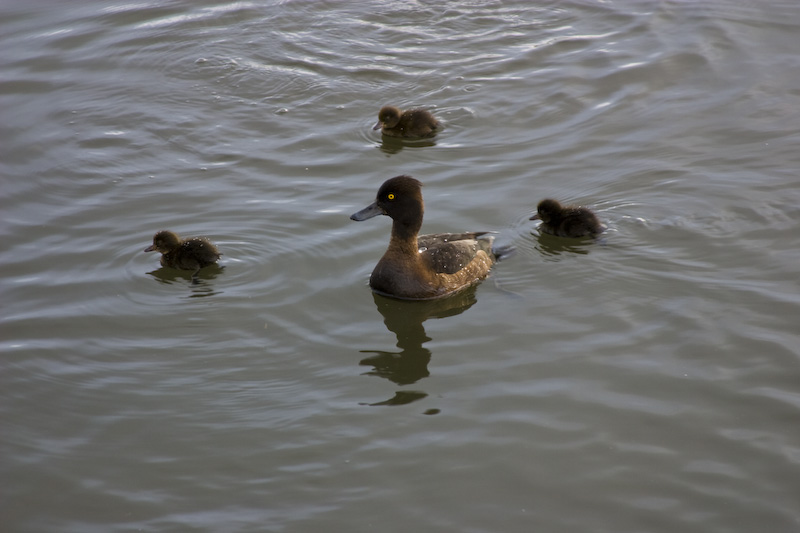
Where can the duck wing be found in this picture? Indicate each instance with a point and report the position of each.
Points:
(427, 241)
(579, 222)
(448, 253)
(196, 252)
(417, 123)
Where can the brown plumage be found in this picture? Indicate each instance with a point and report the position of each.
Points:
(567, 221)
(426, 266)
(189, 254)
(410, 123)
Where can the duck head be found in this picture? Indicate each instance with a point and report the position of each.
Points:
(164, 242)
(388, 117)
(399, 198)
(547, 210)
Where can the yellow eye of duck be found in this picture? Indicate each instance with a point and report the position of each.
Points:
(390, 196)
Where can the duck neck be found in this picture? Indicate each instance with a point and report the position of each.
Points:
(404, 237)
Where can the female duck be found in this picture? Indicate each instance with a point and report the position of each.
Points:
(409, 123)
(567, 221)
(428, 266)
(189, 254)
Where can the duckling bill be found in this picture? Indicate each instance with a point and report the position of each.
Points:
(184, 254)
(567, 221)
(410, 123)
(423, 267)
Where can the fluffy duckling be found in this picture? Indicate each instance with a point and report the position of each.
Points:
(409, 123)
(189, 254)
(567, 221)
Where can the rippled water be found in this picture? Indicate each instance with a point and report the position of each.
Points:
(646, 382)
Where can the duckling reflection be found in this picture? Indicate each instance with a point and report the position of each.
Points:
(552, 246)
(200, 283)
(393, 145)
(404, 318)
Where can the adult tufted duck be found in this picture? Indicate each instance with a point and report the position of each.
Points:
(190, 254)
(410, 123)
(567, 221)
(423, 267)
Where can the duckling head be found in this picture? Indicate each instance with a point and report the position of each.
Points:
(164, 242)
(388, 117)
(547, 210)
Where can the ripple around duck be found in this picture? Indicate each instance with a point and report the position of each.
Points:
(650, 373)
(534, 249)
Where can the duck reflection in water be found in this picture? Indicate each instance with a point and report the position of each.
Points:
(393, 145)
(200, 285)
(404, 318)
(552, 246)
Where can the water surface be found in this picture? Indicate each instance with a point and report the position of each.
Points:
(646, 382)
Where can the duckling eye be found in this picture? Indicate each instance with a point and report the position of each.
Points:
(390, 196)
